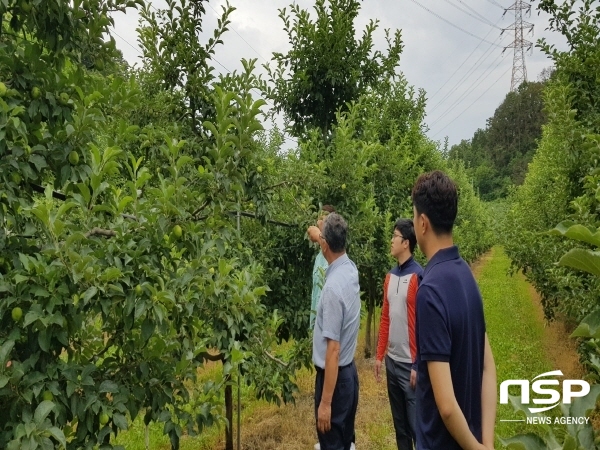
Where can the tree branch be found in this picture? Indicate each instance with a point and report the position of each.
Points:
(41, 190)
(63, 197)
(253, 216)
(283, 183)
(210, 357)
(195, 213)
(271, 357)
(274, 358)
(100, 232)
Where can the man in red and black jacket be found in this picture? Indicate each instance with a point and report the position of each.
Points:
(397, 338)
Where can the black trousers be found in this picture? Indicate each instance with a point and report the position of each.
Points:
(343, 408)
(402, 401)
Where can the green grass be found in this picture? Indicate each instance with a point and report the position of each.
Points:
(135, 437)
(514, 330)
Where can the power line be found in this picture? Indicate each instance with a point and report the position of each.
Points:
(467, 75)
(450, 23)
(462, 64)
(475, 12)
(475, 101)
(478, 16)
(470, 90)
(127, 42)
(495, 3)
(484, 56)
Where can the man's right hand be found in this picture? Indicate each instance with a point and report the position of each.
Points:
(378, 371)
(313, 233)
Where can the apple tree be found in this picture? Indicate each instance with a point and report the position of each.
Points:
(117, 282)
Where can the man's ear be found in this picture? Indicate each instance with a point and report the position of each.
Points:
(425, 224)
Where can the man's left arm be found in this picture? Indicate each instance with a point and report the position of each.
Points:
(489, 395)
(452, 415)
(332, 359)
(411, 309)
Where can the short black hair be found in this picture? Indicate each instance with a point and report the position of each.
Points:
(435, 195)
(407, 229)
(334, 232)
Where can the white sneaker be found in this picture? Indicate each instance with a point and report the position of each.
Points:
(318, 446)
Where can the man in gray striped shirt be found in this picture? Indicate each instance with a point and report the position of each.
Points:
(334, 341)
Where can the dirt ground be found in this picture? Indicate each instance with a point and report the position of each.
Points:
(560, 348)
(291, 427)
(478, 265)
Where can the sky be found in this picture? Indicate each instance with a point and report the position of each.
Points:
(453, 49)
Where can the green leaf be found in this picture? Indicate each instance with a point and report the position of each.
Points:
(589, 326)
(31, 317)
(182, 161)
(147, 329)
(224, 267)
(44, 339)
(40, 292)
(91, 291)
(120, 421)
(524, 442)
(3, 381)
(585, 436)
(109, 386)
(577, 232)
(570, 443)
(42, 411)
(38, 161)
(58, 435)
(5, 350)
(110, 274)
(63, 209)
(85, 192)
(586, 260)
(20, 278)
(582, 406)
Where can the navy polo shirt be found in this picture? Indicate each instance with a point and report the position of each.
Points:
(450, 328)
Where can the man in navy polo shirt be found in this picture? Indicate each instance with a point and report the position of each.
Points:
(456, 381)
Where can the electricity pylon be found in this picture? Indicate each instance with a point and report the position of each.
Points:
(520, 44)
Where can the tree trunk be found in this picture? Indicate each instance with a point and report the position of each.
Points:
(370, 336)
(229, 415)
(375, 333)
(368, 331)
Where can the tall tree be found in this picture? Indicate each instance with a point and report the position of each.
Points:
(514, 129)
(327, 66)
(176, 55)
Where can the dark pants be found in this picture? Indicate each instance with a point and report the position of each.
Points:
(343, 408)
(402, 401)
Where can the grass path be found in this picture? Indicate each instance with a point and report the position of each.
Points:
(522, 344)
(523, 348)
